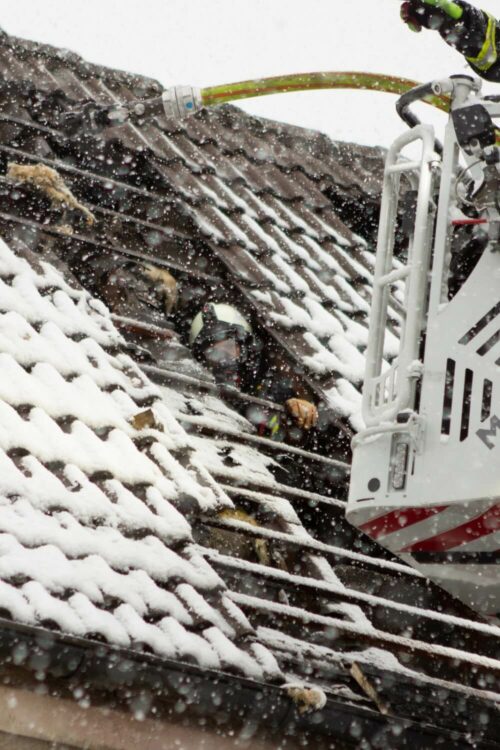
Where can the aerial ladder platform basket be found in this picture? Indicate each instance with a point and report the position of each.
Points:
(425, 479)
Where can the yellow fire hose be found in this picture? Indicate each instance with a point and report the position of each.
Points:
(232, 92)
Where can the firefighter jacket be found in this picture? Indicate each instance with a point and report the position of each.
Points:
(477, 37)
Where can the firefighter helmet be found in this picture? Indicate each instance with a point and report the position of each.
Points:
(217, 321)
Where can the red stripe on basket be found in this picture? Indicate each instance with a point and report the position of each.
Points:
(485, 524)
(398, 519)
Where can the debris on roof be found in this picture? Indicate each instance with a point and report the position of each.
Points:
(306, 698)
(50, 182)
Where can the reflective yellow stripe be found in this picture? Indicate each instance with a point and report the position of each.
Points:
(488, 55)
(274, 425)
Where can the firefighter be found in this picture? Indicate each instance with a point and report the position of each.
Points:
(222, 338)
(473, 32)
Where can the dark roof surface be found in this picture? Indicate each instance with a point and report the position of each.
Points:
(256, 210)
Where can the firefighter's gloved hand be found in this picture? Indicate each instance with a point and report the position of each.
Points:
(165, 284)
(432, 14)
(91, 117)
(304, 413)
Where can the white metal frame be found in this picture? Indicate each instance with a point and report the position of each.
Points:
(389, 391)
(421, 471)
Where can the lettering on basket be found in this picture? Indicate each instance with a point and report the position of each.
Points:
(488, 436)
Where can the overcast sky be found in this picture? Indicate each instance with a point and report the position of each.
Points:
(208, 42)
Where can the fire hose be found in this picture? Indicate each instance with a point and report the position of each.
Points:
(179, 101)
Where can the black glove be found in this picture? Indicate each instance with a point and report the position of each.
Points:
(424, 13)
(464, 27)
(93, 117)
(90, 116)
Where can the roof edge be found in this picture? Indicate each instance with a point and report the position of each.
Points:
(264, 706)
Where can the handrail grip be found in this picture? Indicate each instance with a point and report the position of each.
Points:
(381, 429)
(397, 275)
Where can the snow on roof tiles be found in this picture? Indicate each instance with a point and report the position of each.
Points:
(90, 539)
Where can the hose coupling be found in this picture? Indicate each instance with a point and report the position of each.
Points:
(180, 101)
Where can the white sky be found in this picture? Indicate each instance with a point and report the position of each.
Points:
(208, 42)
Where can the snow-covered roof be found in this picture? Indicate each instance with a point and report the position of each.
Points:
(261, 208)
(94, 539)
